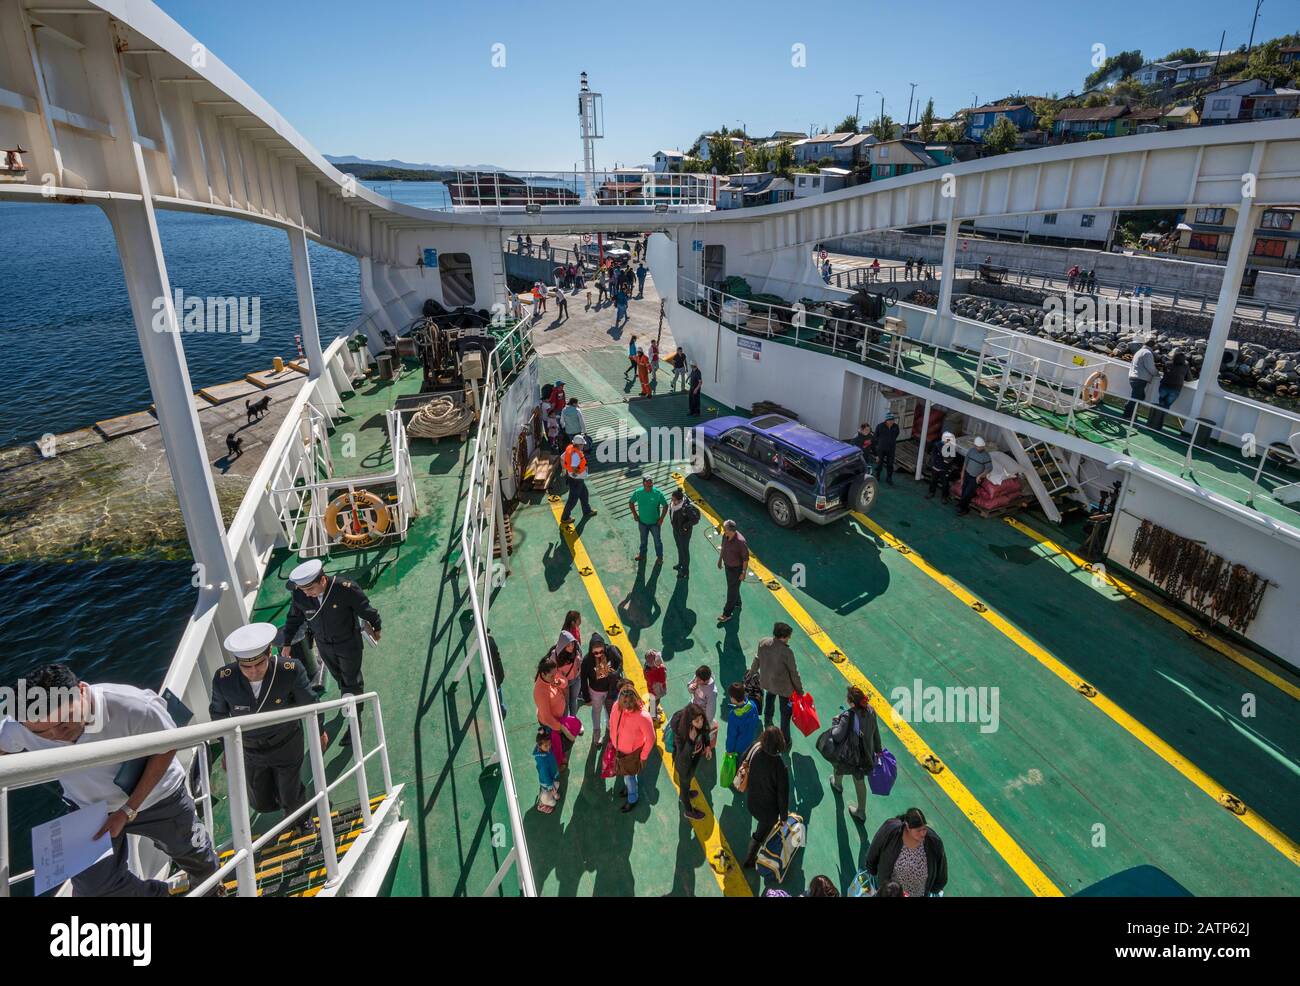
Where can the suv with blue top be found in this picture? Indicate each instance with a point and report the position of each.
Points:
(800, 474)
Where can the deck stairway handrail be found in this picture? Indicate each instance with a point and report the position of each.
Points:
(479, 538)
(913, 359)
(20, 770)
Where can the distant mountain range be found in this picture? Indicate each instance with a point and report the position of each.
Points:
(340, 159)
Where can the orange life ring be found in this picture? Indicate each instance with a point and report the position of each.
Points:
(356, 519)
(1094, 388)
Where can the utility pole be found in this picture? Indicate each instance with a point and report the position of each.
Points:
(909, 102)
(881, 119)
(1219, 54)
(1254, 20)
(857, 110)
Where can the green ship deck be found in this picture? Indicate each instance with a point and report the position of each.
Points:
(1114, 793)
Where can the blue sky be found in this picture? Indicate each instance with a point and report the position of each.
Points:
(414, 79)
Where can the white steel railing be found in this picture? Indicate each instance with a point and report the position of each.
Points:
(1061, 368)
(22, 770)
(492, 191)
(302, 496)
(482, 530)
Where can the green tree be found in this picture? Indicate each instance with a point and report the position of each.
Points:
(1001, 137)
(1128, 91)
(1095, 99)
(884, 127)
(758, 158)
(1095, 135)
(1044, 111)
(1127, 62)
(849, 125)
(948, 132)
(927, 121)
(722, 154)
(783, 159)
(1183, 55)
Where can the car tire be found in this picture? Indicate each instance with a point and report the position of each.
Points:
(781, 510)
(706, 467)
(862, 495)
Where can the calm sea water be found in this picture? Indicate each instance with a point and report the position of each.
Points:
(71, 357)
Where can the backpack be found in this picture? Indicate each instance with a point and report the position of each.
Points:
(753, 690)
(741, 780)
(670, 731)
(692, 513)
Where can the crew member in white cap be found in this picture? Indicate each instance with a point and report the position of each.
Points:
(257, 682)
(332, 610)
(978, 462)
(943, 456)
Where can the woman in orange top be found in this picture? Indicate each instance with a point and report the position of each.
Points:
(549, 695)
(643, 371)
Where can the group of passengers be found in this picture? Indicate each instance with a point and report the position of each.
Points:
(629, 722)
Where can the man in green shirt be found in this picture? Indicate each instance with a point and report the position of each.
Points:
(649, 508)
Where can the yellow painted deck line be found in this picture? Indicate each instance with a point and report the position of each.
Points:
(1005, 846)
(722, 861)
(1226, 799)
(1189, 626)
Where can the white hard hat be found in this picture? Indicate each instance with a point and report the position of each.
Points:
(979, 442)
(579, 439)
(250, 641)
(307, 573)
(949, 436)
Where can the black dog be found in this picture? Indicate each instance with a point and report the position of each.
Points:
(234, 445)
(255, 409)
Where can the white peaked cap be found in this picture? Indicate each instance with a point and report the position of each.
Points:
(307, 573)
(979, 442)
(250, 641)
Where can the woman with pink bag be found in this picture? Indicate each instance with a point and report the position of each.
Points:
(631, 738)
(550, 693)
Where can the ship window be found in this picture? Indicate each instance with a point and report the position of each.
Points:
(1270, 248)
(457, 274)
(1049, 219)
(1204, 241)
(1213, 217)
(1276, 220)
(1087, 220)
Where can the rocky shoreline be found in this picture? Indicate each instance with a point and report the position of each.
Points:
(1262, 361)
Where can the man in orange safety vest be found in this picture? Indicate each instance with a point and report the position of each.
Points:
(574, 462)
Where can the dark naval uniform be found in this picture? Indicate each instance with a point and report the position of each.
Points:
(333, 621)
(273, 756)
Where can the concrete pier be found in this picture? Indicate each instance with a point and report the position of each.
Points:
(106, 491)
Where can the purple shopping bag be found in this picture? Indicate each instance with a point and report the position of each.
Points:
(883, 774)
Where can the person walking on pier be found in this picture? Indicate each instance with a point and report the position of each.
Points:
(978, 462)
(574, 462)
(600, 288)
(146, 797)
(620, 307)
(333, 609)
(696, 384)
(885, 444)
(572, 422)
(778, 676)
(683, 516)
(654, 361)
(649, 507)
(632, 735)
(641, 272)
(733, 558)
(561, 306)
(256, 682)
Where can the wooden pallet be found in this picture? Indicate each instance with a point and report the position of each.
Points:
(542, 469)
(1007, 508)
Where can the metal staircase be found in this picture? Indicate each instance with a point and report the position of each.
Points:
(1051, 475)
